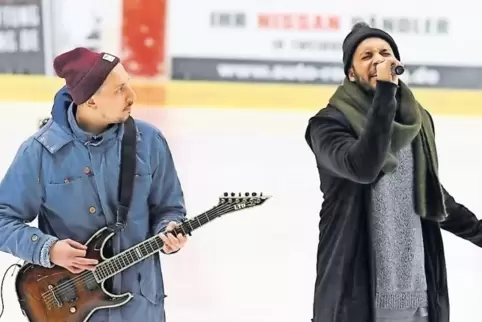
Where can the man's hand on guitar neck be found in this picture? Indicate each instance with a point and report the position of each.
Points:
(70, 255)
(172, 243)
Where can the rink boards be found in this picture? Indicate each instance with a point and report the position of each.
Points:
(237, 95)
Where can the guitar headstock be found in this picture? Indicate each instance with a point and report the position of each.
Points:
(241, 200)
(229, 202)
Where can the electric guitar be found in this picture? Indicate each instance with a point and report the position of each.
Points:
(57, 295)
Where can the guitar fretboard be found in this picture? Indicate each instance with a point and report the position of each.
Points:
(153, 245)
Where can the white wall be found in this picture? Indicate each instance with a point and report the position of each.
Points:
(258, 265)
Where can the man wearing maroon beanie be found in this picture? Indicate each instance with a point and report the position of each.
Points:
(66, 175)
(99, 86)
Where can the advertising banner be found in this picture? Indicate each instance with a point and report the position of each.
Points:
(256, 41)
(76, 23)
(143, 33)
(282, 71)
(22, 48)
(133, 30)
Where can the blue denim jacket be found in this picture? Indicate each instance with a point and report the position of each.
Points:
(68, 180)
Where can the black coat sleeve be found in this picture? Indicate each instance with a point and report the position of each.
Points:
(461, 221)
(357, 159)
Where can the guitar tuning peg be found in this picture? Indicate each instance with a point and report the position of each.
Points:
(240, 194)
(225, 194)
(254, 194)
(233, 194)
(247, 194)
(261, 194)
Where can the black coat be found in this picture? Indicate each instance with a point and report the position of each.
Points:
(348, 166)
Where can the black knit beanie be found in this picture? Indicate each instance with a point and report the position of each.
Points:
(359, 32)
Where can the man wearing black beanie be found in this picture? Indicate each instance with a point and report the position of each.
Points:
(380, 253)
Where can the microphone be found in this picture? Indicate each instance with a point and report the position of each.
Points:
(398, 70)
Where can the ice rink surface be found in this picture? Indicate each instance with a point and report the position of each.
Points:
(258, 265)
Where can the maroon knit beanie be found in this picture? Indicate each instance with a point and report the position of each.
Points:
(84, 71)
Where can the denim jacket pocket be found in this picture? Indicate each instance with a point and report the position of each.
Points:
(151, 284)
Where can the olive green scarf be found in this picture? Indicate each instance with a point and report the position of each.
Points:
(413, 127)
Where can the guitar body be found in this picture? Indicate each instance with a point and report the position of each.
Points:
(57, 295)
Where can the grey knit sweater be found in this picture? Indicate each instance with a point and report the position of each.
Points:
(397, 236)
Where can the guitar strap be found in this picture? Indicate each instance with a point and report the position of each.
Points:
(126, 173)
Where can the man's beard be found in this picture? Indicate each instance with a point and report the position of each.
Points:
(363, 84)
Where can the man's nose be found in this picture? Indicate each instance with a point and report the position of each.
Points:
(377, 59)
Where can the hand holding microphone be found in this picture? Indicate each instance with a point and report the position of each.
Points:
(389, 70)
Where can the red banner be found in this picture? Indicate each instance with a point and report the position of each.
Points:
(143, 37)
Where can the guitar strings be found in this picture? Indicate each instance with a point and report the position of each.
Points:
(88, 276)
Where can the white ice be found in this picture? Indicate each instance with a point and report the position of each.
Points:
(258, 265)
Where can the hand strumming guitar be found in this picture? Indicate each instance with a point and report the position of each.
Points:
(70, 255)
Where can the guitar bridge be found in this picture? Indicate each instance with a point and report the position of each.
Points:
(55, 301)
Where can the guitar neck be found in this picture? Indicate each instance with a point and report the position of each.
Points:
(151, 246)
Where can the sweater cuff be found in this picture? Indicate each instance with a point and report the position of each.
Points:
(45, 252)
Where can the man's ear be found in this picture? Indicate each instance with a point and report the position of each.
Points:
(91, 103)
(351, 74)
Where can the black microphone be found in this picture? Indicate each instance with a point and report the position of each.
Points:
(398, 70)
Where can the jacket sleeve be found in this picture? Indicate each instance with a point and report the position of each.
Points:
(357, 159)
(166, 196)
(20, 201)
(461, 221)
